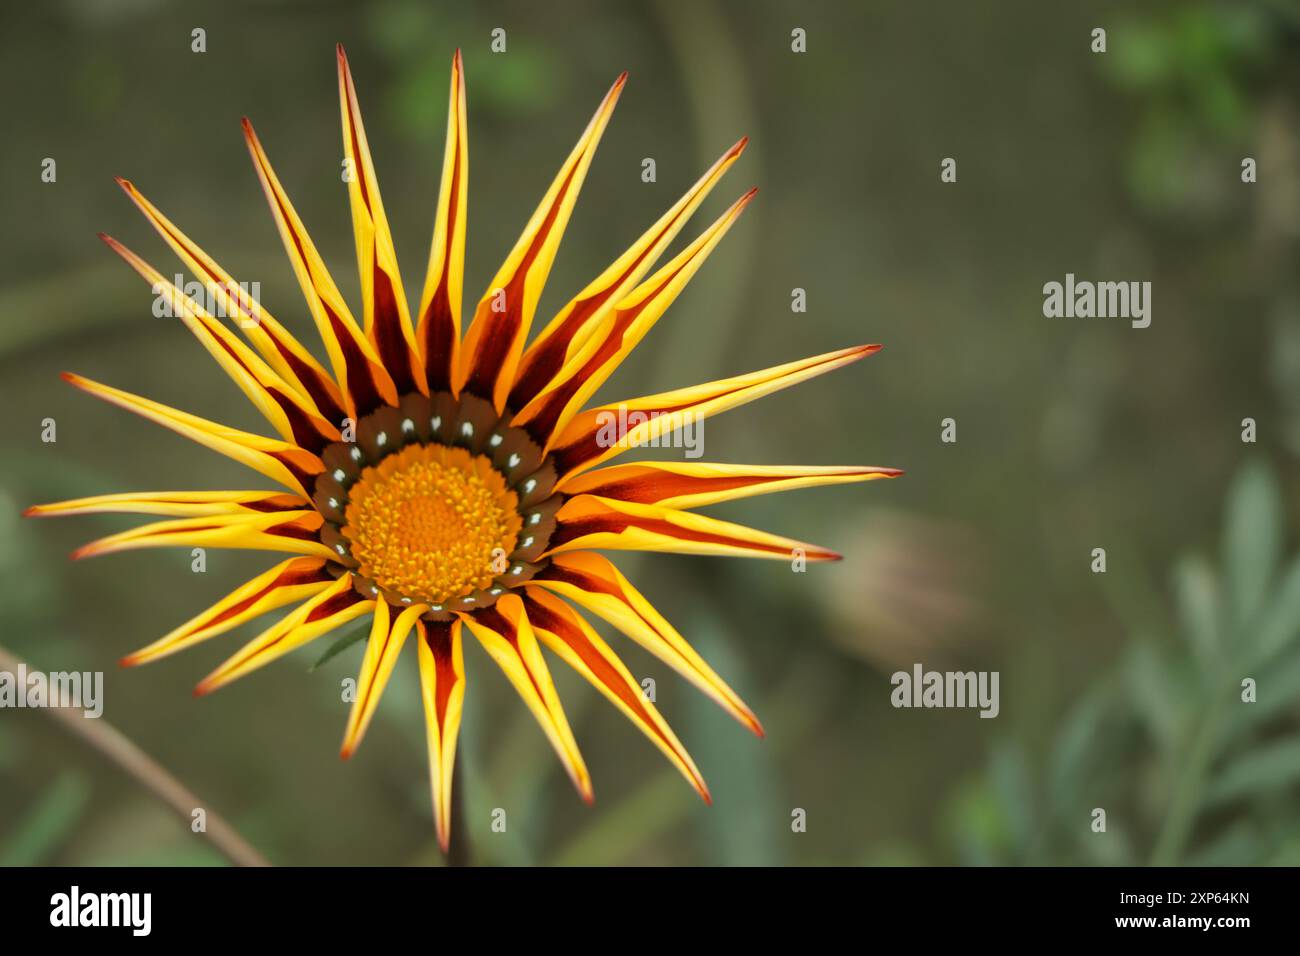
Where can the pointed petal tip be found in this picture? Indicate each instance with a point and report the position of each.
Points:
(204, 687)
(33, 511)
(611, 98)
(341, 53)
(877, 471)
(126, 184)
(346, 751)
(131, 660)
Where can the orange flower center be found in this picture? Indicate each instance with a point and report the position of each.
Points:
(431, 522)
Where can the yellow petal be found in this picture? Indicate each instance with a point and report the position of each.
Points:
(565, 632)
(609, 430)
(495, 339)
(281, 461)
(566, 333)
(382, 650)
(685, 485)
(438, 332)
(327, 610)
(619, 333)
(442, 687)
(587, 522)
(285, 583)
(293, 532)
(591, 581)
(293, 416)
(357, 368)
(505, 633)
(176, 503)
(281, 350)
(387, 321)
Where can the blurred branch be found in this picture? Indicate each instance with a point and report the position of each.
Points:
(119, 749)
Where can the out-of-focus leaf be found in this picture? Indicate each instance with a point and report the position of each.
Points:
(1252, 540)
(37, 837)
(1141, 56)
(1198, 607)
(1287, 852)
(1010, 776)
(740, 771)
(1280, 622)
(1112, 848)
(647, 814)
(1068, 761)
(1259, 771)
(350, 636)
(1276, 688)
(1237, 843)
(978, 822)
(1154, 694)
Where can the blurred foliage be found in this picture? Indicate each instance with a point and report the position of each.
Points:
(1195, 68)
(1188, 743)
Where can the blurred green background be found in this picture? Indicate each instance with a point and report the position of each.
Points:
(1118, 690)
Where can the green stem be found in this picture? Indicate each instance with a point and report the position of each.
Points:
(1187, 797)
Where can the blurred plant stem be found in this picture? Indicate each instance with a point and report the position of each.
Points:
(119, 749)
(1187, 797)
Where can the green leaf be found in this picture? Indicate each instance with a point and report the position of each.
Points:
(1277, 688)
(1009, 774)
(39, 834)
(358, 633)
(1281, 620)
(978, 822)
(1198, 606)
(1264, 769)
(740, 770)
(1252, 544)
(1238, 845)
(1156, 692)
(1076, 741)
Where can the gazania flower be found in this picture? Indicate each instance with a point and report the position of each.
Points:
(442, 486)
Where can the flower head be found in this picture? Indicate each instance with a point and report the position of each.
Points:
(444, 485)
